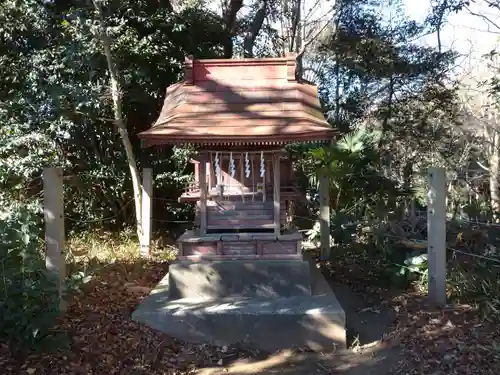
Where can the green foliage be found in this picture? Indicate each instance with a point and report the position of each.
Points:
(55, 106)
(343, 228)
(388, 96)
(477, 281)
(413, 269)
(358, 191)
(357, 187)
(55, 110)
(29, 303)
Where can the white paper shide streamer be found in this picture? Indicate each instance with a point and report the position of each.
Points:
(262, 165)
(247, 165)
(217, 168)
(232, 167)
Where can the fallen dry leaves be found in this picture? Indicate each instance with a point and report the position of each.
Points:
(104, 340)
(456, 339)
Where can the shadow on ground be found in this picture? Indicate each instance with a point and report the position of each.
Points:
(369, 321)
(376, 360)
(102, 338)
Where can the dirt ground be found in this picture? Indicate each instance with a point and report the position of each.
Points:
(367, 325)
(370, 361)
(389, 333)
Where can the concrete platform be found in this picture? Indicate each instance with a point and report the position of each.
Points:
(268, 279)
(268, 316)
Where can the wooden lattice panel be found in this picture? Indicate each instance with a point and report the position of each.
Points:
(279, 247)
(239, 248)
(202, 249)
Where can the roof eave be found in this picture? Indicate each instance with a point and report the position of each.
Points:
(149, 140)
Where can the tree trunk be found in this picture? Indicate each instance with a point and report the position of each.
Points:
(302, 44)
(296, 34)
(166, 4)
(229, 17)
(254, 29)
(388, 113)
(407, 185)
(118, 118)
(494, 175)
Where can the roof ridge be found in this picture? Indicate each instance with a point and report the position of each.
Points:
(240, 101)
(193, 67)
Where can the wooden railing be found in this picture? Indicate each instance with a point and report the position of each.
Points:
(193, 190)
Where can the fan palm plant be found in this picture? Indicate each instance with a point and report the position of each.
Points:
(356, 183)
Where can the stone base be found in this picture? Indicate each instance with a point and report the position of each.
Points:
(270, 315)
(316, 322)
(266, 279)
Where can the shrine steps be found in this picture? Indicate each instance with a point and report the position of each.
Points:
(266, 304)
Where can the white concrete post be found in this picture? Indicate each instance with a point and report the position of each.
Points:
(147, 195)
(276, 194)
(436, 235)
(203, 193)
(324, 213)
(53, 213)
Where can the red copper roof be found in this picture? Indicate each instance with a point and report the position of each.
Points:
(239, 102)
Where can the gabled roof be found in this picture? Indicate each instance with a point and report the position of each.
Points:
(238, 102)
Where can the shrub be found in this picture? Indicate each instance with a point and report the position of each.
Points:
(29, 303)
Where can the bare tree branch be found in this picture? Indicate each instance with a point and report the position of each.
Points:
(308, 42)
(255, 27)
(118, 116)
(484, 17)
(482, 166)
(493, 4)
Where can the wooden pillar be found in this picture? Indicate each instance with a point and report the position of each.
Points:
(203, 194)
(242, 176)
(324, 213)
(263, 163)
(53, 212)
(436, 235)
(196, 171)
(147, 195)
(276, 194)
(252, 172)
(209, 175)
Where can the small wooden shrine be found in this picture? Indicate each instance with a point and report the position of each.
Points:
(239, 114)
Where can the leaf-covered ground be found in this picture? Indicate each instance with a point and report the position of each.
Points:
(456, 339)
(452, 340)
(102, 339)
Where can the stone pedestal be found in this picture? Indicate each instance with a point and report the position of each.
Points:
(269, 305)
